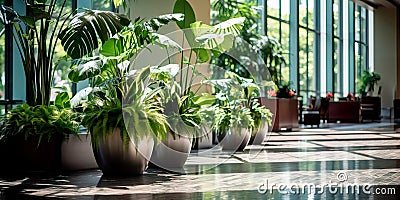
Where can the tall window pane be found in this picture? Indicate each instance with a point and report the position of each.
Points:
(285, 10)
(307, 45)
(277, 26)
(101, 5)
(273, 28)
(337, 76)
(2, 63)
(361, 43)
(303, 12)
(273, 7)
(336, 18)
(60, 80)
(285, 70)
(337, 49)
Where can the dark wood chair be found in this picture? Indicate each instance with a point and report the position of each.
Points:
(311, 115)
(370, 108)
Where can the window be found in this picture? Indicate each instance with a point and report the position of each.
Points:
(277, 26)
(360, 43)
(101, 5)
(337, 48)
(60, 79)
(307, 46)
(61, 74)
(318, 71)
(2, 64)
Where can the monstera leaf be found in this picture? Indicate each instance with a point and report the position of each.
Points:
(82, 35)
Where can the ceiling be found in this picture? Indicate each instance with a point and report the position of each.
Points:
(374, 4)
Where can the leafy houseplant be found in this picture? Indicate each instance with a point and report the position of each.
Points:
(31, 136)
(267, 47)
(120, 99)
(183, 103)
(368, 81)
(36, 34)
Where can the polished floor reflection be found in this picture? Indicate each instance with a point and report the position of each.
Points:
(335, 162)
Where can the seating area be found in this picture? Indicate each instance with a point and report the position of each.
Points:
(320, 110)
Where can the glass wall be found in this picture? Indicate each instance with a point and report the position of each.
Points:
(307, 48)
(277, 26)
(360, 43)
(337, 27)
(61, 81)
(322, 28)
(2, 64)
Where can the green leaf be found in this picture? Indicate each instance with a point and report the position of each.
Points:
(85, 71)
(204, 99)
(81, 36)
(81, 95)
(62, 100)
(166, 42)
(7, 15)
(112, 47)
(203, 55)
(182, 6)
(171, 69)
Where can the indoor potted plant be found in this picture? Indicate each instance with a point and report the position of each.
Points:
(36, 36)
(233, 123)
(367, 82)
(184, 102)
(262, 121)
(121, 106)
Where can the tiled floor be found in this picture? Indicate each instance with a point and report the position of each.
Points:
(335, 162)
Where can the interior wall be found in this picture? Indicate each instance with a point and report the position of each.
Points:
(385, 51)
(152, 8)
(398, 54)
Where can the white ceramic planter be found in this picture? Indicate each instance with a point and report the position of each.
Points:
(77, 153)
(172, 153)
(235, 139)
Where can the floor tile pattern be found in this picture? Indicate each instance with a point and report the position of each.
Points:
(359, 155)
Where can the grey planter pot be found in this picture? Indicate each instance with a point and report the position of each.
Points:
(234, 139)
(205, 140)
(77, 153)
(116, 158)
(259, 135)
(172, 153)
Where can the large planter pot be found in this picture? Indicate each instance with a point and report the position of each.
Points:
(77, 154)
(116, 158)
(25, 156)
(171, 153)
(205, 140)
(259, 134)
(234, 139)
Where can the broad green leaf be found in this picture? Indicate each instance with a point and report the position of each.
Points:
(85, 71)
(203, 55)
(7, 15)
(204, 99)
(62, 100)
(166, 42)
(82, 35)
(112, 47)
(81, 95)
(182, 6)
